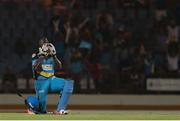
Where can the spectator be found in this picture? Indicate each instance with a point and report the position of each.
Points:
(162, 39)
(86, 42)
(173, 57)
(160, 9)
(173, 31)
(93, 67)
(76, 69)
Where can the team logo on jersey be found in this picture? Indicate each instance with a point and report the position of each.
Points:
(47, 67)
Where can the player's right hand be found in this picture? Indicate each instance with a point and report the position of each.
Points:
(40, 51)
(52, 49)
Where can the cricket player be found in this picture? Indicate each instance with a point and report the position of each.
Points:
(44, 64)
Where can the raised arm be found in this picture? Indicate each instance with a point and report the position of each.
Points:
(83, 23)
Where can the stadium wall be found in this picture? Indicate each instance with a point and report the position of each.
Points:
(113, 102)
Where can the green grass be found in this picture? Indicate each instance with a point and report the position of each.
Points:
(101, 116)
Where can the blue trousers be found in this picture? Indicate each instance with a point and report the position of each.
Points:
(53, 84)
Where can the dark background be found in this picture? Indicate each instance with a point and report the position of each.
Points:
(106, 46)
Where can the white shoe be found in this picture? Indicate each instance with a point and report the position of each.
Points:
(61, 112)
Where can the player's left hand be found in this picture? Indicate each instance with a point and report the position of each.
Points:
(45, 49)
(52, 49)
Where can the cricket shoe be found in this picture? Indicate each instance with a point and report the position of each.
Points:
(29, 111)
(61, 112)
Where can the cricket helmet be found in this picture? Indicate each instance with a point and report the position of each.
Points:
(42, 41)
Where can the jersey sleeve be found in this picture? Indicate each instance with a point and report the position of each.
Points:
(34, 58)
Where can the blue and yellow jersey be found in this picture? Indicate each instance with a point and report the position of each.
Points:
(47, 68)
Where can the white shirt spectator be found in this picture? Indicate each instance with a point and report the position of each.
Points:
(172, 63)
(173, 33)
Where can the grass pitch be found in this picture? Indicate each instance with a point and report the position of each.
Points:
(92, 116)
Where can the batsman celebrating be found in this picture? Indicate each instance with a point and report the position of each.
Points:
(44, 64)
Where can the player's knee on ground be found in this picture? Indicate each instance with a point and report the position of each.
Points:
(32, 104)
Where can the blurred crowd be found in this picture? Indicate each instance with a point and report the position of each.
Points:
(106, 46)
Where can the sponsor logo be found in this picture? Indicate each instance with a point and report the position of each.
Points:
(47, 67)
